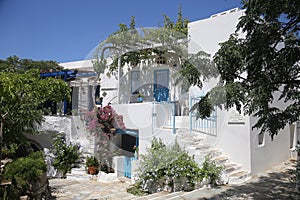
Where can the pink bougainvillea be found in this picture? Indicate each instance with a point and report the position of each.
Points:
(102, 123)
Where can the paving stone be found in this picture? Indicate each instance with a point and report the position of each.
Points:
(272, 184)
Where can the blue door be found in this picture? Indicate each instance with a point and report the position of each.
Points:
(129, 139)
(127, 166)
(161, 85)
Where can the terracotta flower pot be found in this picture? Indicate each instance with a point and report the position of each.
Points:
(92, 170)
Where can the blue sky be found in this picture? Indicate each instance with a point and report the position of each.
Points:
(67, 30)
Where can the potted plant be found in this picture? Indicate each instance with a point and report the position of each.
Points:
(140, 97)
(92, 165)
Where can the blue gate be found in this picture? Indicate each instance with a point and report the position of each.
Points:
(208, 125)
(127, 166)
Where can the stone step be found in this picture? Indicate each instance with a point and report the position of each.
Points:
(222, 160)
(77, 177)
(203, 147)
(78, 171)
(215, 153)
(231, 168)
(239, 177)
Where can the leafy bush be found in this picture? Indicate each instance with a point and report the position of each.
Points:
(211, 171)
(65, 155)
(25, 172)
(171, 168)
(135, 189)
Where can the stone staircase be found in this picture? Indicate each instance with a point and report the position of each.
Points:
(195, 145)
(87, 141)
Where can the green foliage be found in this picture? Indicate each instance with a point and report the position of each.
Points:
(8, 192)
(65, 155)
(10, 151)
(126, 43)
(17, 65)
(211, 171)
(25, 172)
(269, 55)
(203, 108)
(135, 189)
(164, 166)
(21, 95)
(92, 161)
(170, 167)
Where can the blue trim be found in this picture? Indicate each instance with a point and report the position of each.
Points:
(161, 92)
(207, 125)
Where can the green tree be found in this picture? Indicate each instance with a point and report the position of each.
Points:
(25, 174)
(132, 23)
(15, 64)
(262, 68)
(269, 55)
(22, 91)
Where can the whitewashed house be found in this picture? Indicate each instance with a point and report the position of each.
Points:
(164, 111)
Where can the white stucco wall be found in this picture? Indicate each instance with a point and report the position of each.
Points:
(233, 137)
(139, 116)
(83, 65)
(206, 34)
(238, 141)
(271, 152)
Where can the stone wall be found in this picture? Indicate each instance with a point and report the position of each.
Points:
(50, 126)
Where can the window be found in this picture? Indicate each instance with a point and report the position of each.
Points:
(261, 139)
(160, 60)
(135, 80)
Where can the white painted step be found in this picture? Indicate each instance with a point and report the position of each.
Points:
(239, 177)
(78, 171)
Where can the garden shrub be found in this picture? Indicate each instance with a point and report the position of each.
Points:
(211, 171)
(171, 168)
(65, 155)
(24, 173)
(167, 168)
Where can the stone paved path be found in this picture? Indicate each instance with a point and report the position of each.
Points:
(272, 184)
(65, 189)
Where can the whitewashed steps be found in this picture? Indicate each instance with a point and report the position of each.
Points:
(79, 174)
(195, 145)
(239, 177)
